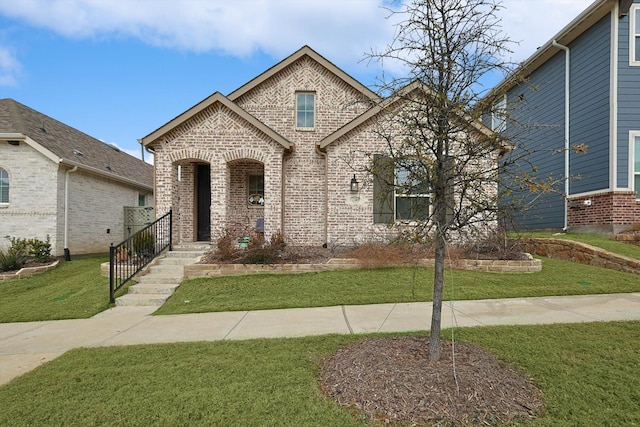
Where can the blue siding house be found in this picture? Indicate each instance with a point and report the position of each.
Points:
(582, 88)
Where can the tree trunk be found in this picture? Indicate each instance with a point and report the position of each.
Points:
(438, 286)
(440, 219)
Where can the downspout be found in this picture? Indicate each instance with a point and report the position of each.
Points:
(325, 208)
(567, 105)
(285, 155)
(67, 254)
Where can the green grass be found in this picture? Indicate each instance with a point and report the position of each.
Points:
(389, 285)
(72, 290)
(587, 372)
(598, 240)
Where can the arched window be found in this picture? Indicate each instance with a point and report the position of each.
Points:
(4, 186)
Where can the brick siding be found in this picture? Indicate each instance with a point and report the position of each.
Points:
(234, 148)
(608, 210)
(36, 203)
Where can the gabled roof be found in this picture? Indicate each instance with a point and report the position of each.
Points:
(206, 103)
(383, 105)
(300, 53)
(66, 145)
(596, 11)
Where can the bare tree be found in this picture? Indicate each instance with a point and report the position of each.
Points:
(447, 48)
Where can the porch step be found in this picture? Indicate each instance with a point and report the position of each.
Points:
(169, 269)
(192, 247)
(163, 277)
(137, 300)
(154, 288)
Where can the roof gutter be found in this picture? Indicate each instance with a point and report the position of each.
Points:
(105, 174)
(567, 110)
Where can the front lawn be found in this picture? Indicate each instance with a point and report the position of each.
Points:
(389, 285)
(74, 289)
(587, 372)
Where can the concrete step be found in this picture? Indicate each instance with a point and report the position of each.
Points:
(198, 247)
(185, 254)
(166, 268)
(154, 288)
(154, 300)
(178, 261)
(162, 278)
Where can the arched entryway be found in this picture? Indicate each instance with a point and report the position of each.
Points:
(247, 197)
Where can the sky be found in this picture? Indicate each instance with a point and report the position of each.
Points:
(119, 69)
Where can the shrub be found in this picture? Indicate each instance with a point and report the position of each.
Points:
(15, 256)
(380, 254)
(143, 243)
(40, 250)
(227, 246)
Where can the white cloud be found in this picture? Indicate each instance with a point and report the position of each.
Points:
(10, 67)
(237, 27)
(532, 23)
(342, 30)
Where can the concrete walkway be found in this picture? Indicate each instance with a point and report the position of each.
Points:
(25, 346)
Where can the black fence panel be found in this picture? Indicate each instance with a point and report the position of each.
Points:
(134, 253)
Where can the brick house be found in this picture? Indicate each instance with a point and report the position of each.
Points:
(582, 87)
(286, 152)
(59, 182)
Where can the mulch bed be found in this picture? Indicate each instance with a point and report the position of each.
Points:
(372, 255)
(390, 379)
(30, 263)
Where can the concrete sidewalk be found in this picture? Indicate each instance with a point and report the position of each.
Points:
(25, 346)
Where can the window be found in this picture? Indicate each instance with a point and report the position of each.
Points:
(398, 196)
(636, 166)
(256, 190)
(411, 195)
(141, 199)
(634, 35)
(4, 186)
(499, 115)
(305, 110)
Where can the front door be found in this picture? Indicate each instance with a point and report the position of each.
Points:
(203, 202)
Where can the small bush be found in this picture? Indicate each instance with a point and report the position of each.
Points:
(277, 241)
(21, 249)
(255, 251)
(40, 250)
(380, 254)
(227, 246)
(15, 256)
(143, 243)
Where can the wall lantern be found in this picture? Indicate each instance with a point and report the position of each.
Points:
(354, 184)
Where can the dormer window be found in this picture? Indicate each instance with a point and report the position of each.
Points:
(305, 110)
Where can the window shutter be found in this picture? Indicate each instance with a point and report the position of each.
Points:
(382, 189)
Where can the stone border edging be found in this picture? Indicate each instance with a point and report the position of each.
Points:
(29, 271)
(208, 270)
(582, 253)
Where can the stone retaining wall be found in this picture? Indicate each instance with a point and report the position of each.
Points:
(582, 253)
(28, 271)
(498, 266)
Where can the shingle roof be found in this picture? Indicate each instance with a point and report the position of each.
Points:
(72, 145)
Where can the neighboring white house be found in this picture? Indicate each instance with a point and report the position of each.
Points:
(59, 182)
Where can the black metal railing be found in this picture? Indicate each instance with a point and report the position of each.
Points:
(134, 253)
